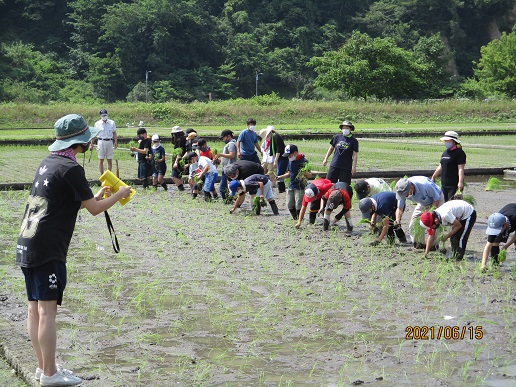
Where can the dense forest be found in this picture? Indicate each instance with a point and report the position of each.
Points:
(185, 50)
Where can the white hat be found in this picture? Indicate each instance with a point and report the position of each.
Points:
(176, 129)
(451, 135)
(265, 132)
(155, 137)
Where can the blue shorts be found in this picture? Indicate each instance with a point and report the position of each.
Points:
(209, 181)
(143, 169)
(161, 169)
(46, 282)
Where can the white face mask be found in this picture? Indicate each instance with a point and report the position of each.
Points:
(448, 144)
(104, 117)
(291, 158)
(346, 132)
(252, 127)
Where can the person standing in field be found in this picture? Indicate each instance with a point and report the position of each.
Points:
(267, 153)
(107, 140)
(179, 141)
(296, 188)
(451, 167)
(344, 162)
(144, 162)
(499, 226)
(160, 166)
(58, 192)
(228, 157)
(247, 143)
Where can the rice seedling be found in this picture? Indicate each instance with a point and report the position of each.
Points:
(493, 184)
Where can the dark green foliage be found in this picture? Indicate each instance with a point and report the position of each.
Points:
(92, 50)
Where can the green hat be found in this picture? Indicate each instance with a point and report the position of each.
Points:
(72, 129)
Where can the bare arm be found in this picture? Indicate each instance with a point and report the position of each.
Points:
(461, 176)
(301, 216)
(328, 154)
(355, 159)
(456, 226)
(115, 140)
(437, 172)
(96, 204)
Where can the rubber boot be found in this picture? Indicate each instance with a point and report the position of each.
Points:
(400, 234)
(164, 185)
(145, 184)
(207, 196)
(274, 207)
(326, 224)
(181, 187)
(281, 186)
(298, 212)
(312, 217)
(258, 209)
(293, 212)
(155, 187)
(214, 194)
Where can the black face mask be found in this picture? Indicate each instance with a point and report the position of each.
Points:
(84, 147)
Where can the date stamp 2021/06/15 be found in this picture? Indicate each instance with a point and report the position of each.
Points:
(447, 332)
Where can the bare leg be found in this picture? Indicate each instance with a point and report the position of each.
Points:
(101, 166)
(32, 329)
(47, 335)
(110, 164)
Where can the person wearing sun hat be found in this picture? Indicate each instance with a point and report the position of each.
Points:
(344, 162)
(179, 141)
(268, 155)
(499, 226)
(456, 213)
(451, 167)
(58, 191)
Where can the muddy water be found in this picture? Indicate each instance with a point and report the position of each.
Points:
(201, 297)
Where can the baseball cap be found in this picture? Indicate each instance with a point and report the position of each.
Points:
(233, 186)
(225, 132)
(102, 112)
(347, 123)
(495, 223)
(365, 207)
(311, 192)
(155, 137)
(426, 221)
(361, 188)
(291, 148)
(402, 188)
(451, 135)
(72, 129)
(190, 155)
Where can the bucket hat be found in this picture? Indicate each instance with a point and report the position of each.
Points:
(72, 129)
(451, 135)
(265, 132)
(347, 123)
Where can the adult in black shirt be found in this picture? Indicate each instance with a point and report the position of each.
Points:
(451, 167)
(242, 169)
(499, 226)
(144, 162)
(179, 141)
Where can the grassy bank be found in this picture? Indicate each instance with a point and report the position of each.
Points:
(268, 110)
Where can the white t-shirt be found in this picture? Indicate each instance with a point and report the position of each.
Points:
(203, 161)
(454, 209)
(377, 185)
(106, 128)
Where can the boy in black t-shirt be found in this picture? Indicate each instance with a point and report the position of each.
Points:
(144, 164)
(499, 226)
(59, 190)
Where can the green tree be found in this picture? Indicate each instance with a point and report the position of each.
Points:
(365, 67)
(495, 72)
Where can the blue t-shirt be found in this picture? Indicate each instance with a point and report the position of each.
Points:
(247, 139)
(343, 152)
(386, 204)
